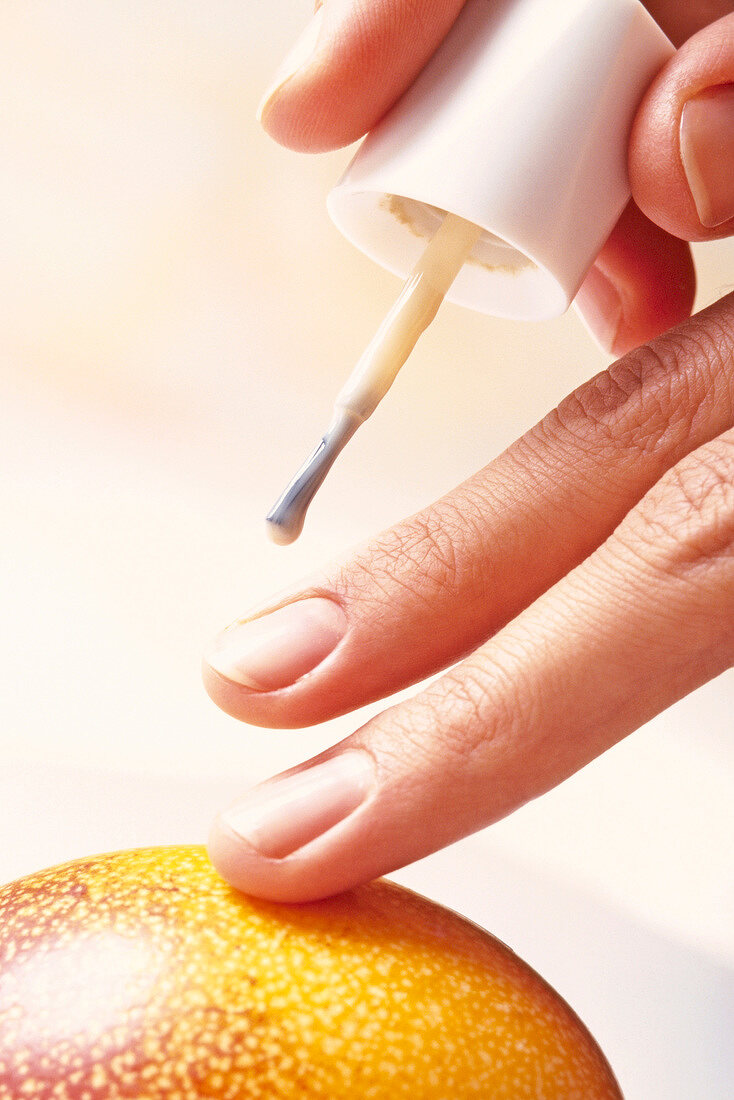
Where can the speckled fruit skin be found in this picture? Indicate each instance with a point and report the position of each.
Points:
(143, 975)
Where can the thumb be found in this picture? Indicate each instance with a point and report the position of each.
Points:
(682, 142)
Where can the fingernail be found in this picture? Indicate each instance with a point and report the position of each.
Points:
(600, 306)
(296, 59)
(283, 815)
(707, 152)
(275, 650)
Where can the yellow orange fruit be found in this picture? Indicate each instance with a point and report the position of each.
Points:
(142, 975)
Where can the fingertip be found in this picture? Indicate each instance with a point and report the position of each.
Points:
(674, 170)
(599, 306)
(301, 65)
(291, 708)
(248, 871)
(294, 837)
(656, 278)
(222, 691)
(642, 284)
(293, 880)
(350, 66)
(301, 115)
(225, 852)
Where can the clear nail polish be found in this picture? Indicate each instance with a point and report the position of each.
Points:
(275, 650)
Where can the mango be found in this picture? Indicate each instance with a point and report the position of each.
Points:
(141, 974)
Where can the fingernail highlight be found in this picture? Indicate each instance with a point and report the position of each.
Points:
(275, 650)
(707, 153)
(296, 59)
(600, 306)
(283, 815)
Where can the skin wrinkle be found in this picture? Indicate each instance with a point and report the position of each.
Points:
(511, 732)
(541, 469)
(656, 371)
(709, 386)
(621, 400)
(438, 556)
(619, 554)
(666, 418)
(498, 700)
(455, 713)
(470, 698)
(545, 457)
(411, 742)
(715, 344)
(509, 720)
(598, 488)
(468, 572)
(691, 511)
(480, 544)
(384, 567)
(693, 553)
(492, 492)
(707, 493)
(433, 545)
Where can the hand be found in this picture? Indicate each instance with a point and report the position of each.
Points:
(577, 586)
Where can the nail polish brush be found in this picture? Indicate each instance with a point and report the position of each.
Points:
(377, 368)
(507, 151)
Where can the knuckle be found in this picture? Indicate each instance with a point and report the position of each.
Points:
(480, 704)
(466, 690)
(422, 557)
(652, 399)
(598, 411)
(688, 519)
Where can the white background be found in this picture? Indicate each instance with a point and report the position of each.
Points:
(176, 314)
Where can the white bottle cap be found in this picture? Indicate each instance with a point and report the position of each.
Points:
(520, 124)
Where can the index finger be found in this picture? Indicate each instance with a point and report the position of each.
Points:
(353, 61)
(430, 590)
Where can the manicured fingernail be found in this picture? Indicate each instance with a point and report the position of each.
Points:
(275, 650)
(600, 306)
(281, 816)
(297, 58)
(707, 152)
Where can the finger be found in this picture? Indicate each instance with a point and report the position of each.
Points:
(646, 619)
(642, 283)
(680, 21)
(682, 142)
(432, 589)
(354, 60)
